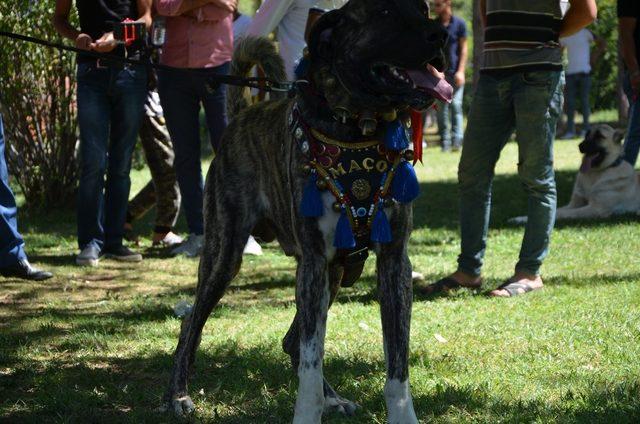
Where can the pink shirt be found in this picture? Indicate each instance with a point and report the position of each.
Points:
(200, 38)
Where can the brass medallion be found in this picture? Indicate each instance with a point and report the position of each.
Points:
(361, 189)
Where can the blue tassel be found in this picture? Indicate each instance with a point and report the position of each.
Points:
(311, 200)
(395, 137)
(380, 228)
(405, 185)
(344, 235)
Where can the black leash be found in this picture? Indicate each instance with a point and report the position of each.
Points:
(265, 84)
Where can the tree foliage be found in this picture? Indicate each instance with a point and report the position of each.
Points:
(37, 100)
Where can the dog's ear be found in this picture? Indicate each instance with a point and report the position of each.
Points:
(618, 136)
(320, 37)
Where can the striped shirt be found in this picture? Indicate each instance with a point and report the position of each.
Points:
(522, 35)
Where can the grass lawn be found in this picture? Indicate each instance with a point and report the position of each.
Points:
(95, 345)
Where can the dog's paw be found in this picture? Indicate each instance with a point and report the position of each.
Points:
(340, 405)
(181, 406)
(518, 220)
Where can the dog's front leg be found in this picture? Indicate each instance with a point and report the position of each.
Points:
(396, 296)
(312, 301)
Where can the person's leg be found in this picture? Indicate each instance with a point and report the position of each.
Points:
(444, 124)
(632, 141)
(456, 118)
(11, 242)
(585, 91)
(215, 107)
(572, 92)
(158, 151)
(181, 107)
(93, 121)
(491, 121)
(538, 104)
(128, 91)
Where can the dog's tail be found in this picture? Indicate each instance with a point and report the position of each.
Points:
(250, 52)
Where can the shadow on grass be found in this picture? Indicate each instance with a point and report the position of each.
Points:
(235, 384)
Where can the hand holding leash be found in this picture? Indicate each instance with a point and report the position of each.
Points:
(104, 44)
(83, 41)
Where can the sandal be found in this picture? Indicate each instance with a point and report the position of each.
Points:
(513, 288)
(447, 284)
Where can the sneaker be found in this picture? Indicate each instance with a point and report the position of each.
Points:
(89, 256)
(122, 253)
(170, 239)
(252, 247)
(417, 276)
(191, 247)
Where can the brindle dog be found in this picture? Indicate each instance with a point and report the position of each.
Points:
(369, 61)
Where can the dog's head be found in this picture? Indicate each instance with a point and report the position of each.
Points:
(379, 56)
(601, 146)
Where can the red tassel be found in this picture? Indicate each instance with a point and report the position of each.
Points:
(416, 136)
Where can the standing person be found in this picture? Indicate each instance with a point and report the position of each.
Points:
(450, 115)
(520, 88)
(199, 41)
(162, 190)
(110, 107)
(578, 76)
(13, 259)
(628, 16)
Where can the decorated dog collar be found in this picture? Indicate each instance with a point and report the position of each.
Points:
(364, 176)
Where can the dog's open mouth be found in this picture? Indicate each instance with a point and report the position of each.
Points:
(588, 161)
(428, 80)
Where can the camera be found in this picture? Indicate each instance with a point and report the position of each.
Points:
(129, 31)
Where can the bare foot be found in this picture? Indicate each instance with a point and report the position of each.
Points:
(520, 283)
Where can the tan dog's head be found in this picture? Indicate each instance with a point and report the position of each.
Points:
(601, 146)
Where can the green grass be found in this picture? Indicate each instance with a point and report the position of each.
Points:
(95, 345)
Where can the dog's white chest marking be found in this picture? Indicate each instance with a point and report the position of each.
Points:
(327, 223)
(399, 403)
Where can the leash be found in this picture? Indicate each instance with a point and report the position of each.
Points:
(262, 83)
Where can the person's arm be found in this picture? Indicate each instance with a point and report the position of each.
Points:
(626, 29)
(580, 14)
(64, 28)
(213, 12)
(268, 17)
(459, 75)
(144, 10)
(107, 42)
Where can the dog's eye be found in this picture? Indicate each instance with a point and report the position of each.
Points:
(385, 12)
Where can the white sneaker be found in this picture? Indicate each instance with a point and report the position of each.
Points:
(252, 247)
(191, 247)
(417, 276)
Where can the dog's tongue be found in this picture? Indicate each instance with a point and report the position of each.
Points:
(587, 160)
(431, 82)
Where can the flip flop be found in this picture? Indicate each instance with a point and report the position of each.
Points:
(447, 284)
(513, 288)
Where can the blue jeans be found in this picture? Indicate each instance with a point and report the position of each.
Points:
(110, 108)
(529, 103)
(11, 242)
(450, 118)
(632, 142)
(578, 84)
(182, 93)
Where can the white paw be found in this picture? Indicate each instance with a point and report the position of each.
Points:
(399, 402)
(518, 220)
